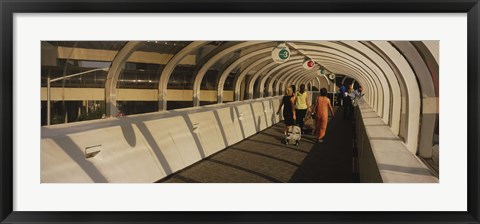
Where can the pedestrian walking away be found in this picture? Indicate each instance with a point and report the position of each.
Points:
(288, 109)
(321, 112)
(301, 106)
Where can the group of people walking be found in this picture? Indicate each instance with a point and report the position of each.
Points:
(347, 98)
(296, 106)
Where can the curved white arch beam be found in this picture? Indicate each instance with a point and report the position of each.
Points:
(296, 65)
(342, 67)
(311, 53)
(433, 48)
(275, 68)
(428, 96)
(314, 53)
(413, 93)
(289, 76)
(310, 85)
(319, 83)
(345, 52)
(378, 93)
(393, 122)
(302, 72)
(200, 61)
(270, 82)
(203, 70)
(403, 97)
(112, 77)
(327, 80)
(291, 80)
(226, 72)
(285, 75)
(349, 61)
(309, 79)
(355, 73)
(261, 85)
(305, 78)
(169, 67)
(331, 46)
(274, 76)
(430, 59)
(274, 81)
(309, 76)
(395, 102)
(291, 73)
(365, 71)
(238, 79)
(296, 75)
(283, 83)
(277, 78)
(375, 94)
(316, 77)
(370, 87)
(366, 84)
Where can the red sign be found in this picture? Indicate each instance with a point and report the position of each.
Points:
(308, 64)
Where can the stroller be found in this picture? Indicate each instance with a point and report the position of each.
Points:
(294, 135)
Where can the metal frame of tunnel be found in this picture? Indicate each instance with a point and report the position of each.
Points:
(385, 72)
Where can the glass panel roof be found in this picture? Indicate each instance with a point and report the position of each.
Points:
(105, 45)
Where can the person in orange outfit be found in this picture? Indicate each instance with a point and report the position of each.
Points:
(321, 109)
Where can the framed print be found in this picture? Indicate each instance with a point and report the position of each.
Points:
(245, 112)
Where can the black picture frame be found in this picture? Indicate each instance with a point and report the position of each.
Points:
(9, 7)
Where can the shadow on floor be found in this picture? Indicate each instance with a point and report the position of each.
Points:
(263, 159)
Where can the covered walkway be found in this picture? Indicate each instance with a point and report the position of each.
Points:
(262, 158)
(205, 111)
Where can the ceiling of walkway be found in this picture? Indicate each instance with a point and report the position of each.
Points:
(382, 68)
(362, 60)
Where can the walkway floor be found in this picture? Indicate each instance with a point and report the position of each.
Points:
(262, 158)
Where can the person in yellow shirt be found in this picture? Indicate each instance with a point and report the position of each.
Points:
(301, 105)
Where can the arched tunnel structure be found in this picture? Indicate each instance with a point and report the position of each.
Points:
(142, 111)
